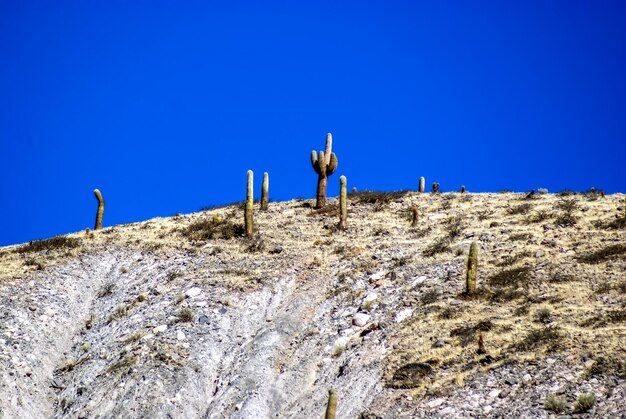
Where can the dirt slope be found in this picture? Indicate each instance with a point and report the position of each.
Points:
(175, 318)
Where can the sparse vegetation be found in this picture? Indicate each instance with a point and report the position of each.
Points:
(567, 207)
(185, 315)
(521, 209)
(55, 243)
(549, 336)
(440, 245)
(604, 254)
(584, 403)
(106, 290)
(376, 198)
(214, 228)
(555, 404)
(119, 312)
(454, 226)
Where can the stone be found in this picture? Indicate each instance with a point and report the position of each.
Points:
(527, 378)
(511, 381)
(447, 411)
(403, 314)
(276, 249)
(160, 329)
(193, 292)
(180, 335)
(360, 319)
(540, 253)
(439, 343)
(494, 393)
(436, 403)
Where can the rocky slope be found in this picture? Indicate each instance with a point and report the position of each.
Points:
(181, 318)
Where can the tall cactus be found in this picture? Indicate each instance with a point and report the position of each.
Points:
(422, 185)
(343, 206)
(324, 164)
(331, 408)
(264, 192)
(248, 209)
(100, 212)
(472, 266)
(435, 187)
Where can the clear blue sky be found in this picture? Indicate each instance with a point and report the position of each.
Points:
(164, 106)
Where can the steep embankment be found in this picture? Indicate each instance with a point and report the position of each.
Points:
(175, 318)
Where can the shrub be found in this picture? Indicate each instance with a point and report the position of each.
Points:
(584, 402)
(454, 226)
(550, 336)
(185, 315)
(214, 228)
(376, 197)
(511, 277)
(59, 242)
(555, 404)
(521, 209)
(543, 315)
(430, 297)
(603, 254)
(567, 206)
(441, 245)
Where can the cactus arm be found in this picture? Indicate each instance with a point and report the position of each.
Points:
(329, 148)
(332, 166)
(314, 162)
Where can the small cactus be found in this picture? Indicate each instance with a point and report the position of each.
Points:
(472, 265)
(324, 164)
(462, 190)
(422, 184)
(331, 408)
(343, 206)
(264, 192)
(248, 210)
(100, 212)
(414, 215)
(481, 345)
(435, 187)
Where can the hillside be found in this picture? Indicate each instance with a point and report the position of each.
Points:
(181, 317)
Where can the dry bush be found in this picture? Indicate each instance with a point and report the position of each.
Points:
(331, 210)
(603, 254)
(550, 336)
(214, 228)
(59, 242)
(521, 209)
(466, 334)
(379, 199)
(513, 277)
(440, 245)
(538, 216)
(567, 207)
(454, 226)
